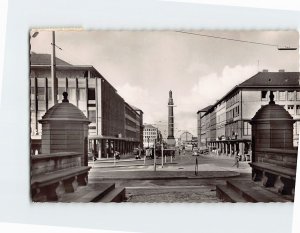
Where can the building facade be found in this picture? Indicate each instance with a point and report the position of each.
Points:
(225, 127)
(202, 128)
(151, 135)
(115, 125)
(185, 138)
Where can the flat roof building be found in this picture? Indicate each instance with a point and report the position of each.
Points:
(114, 123)
(151, 135)
(224, 126)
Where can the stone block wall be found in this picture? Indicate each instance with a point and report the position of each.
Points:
(284, 158)
(45, 163)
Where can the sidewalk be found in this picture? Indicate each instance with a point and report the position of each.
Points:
(159, 175)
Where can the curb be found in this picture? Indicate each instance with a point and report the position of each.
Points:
(165, 178)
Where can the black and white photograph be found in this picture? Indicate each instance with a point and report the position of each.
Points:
(181, 116)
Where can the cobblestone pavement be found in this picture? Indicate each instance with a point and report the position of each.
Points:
(175, 194)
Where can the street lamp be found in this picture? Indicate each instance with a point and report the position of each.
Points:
(53, 71)
(286, 48)
(53, 67)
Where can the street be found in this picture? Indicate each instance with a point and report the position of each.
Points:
(176, 181)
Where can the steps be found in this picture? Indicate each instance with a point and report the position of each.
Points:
(95, 192)
(248, 191)
(226, 194)
(116, 195)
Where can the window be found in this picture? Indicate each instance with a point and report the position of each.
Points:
(81, 94)
(41, 93)
(41, 105)
(298, 109)
(91, 94)
(291, 95)
(291, 109)
(32, 94)
(60, 92)
(72, 95)
(275, 95)
(282, 95)
(297, 127)
(298, 95)
(264, 95)
(247, 128)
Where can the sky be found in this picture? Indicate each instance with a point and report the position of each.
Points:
(144, 65)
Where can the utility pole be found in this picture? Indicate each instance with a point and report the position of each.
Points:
(53, 71)
(154, 155)
(162, 155)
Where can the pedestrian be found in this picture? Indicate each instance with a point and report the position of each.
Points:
(237, 159)
(117, 155)
(138, 156)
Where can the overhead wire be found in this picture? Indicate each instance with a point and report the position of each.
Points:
(226, 38)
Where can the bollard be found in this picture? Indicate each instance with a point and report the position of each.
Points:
(114, 160)
(162, 155)
(196, 167)
(154, 160)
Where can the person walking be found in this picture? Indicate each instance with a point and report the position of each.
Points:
(237, 159)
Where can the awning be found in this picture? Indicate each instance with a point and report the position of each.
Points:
(99, 137)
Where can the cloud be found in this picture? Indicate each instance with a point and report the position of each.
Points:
(145, 100)
(207, 91)
(212, 87)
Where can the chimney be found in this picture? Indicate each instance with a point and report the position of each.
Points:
(265, 70)
(281, 70)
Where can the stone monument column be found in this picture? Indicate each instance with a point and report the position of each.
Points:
(170, 139)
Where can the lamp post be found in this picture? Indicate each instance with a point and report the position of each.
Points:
(53, 71)
(53, 67)
(154, 160)
(162, 155)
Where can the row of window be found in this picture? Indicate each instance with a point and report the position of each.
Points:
(281, 95)
(150, 130)
(150, 133)
(231, 101)
(130, 113)
(291, 109)
(234, 112)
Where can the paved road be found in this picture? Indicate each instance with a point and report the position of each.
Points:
(174, 182)
(183, 162)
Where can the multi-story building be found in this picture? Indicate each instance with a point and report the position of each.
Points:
(115, 125)
(225, 125)
(202, 127)
(134, 123)
(151, 135)
(185, 138)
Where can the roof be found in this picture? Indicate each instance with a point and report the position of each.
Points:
(45, 59)
(267, 80)
(64, 111)
(135, 108)
(149, 126)
(205, 109)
